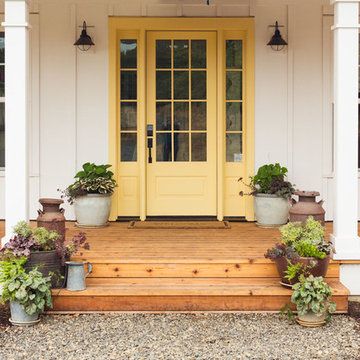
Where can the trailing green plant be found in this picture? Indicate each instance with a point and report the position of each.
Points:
(270, 179)
(11, 266)
(93, 179)
(32, 291)
(313, 294)
(295, 234)
(295, 270)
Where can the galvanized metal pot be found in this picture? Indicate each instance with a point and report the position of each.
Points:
(19, 317)
(92, 210)
(75, 275)
(271, 210)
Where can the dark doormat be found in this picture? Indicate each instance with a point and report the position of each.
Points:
(179, 225)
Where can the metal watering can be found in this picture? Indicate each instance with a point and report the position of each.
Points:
(75, 275)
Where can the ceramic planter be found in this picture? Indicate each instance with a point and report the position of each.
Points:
(310, 319)
(92, 210)
(19, 317)
(271, 210)
(319, 268)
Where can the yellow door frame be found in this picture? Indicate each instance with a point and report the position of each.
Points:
(137, 26)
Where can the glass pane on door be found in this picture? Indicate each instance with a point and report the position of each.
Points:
(181, 100)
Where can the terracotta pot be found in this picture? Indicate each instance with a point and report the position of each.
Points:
(307, 206)
(48, 261)
(52, 217)
(319, 268)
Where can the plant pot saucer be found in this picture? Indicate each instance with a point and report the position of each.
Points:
(310, 323)
(24, 323)
(289, 286)
(88, 226)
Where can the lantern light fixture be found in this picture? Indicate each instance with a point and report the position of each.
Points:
(276, 42)
(84, 42)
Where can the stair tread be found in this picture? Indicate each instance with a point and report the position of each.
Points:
(190, 287)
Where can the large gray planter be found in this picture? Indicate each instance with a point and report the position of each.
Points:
(92, 210)
(271, 210)
(19, 317)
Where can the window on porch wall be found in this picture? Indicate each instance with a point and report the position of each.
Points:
(2, 100)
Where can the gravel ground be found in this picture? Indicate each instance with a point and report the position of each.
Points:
(180, 336)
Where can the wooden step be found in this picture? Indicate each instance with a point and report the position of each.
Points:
(183, 295)
(176, 269)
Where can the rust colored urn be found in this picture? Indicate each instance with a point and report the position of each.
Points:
(51, 217)
(307, 206)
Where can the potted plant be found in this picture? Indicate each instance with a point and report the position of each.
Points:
(272, 195)
(28, 293)
(43, 249)
(303, 244)
(312, 299)
(91, 195)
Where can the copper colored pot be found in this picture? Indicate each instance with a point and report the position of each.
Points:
(319, 268)
(52, 217)
(307, 206)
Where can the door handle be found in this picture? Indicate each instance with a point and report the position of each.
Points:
(150, 145)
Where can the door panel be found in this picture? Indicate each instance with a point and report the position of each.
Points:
(181, 106)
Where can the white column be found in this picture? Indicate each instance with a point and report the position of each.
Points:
(16, 112)
(346, 43)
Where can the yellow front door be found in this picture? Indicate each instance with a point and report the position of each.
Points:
(181, 123)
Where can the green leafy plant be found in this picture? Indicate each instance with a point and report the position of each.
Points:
(270, 179)
(295, 235)
(295, 270)
(309, 250)
(11, 266)
(22, 228)
(313, 294)
(44, 238)
(93, 179)
(31, 290)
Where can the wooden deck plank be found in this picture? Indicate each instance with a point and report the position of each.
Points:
(196, 270)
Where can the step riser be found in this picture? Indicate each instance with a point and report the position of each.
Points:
(179, 303)
(192, 270)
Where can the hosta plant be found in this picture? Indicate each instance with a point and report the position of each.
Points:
(31, 290)
(313, 294)
(270, 179)
(93, 179)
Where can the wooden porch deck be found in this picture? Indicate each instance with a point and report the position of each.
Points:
(182, 270)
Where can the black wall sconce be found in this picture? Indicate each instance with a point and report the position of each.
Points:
(276, 42)
(84, 42)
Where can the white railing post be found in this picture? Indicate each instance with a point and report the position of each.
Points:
(16, 112)
(346, 43)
